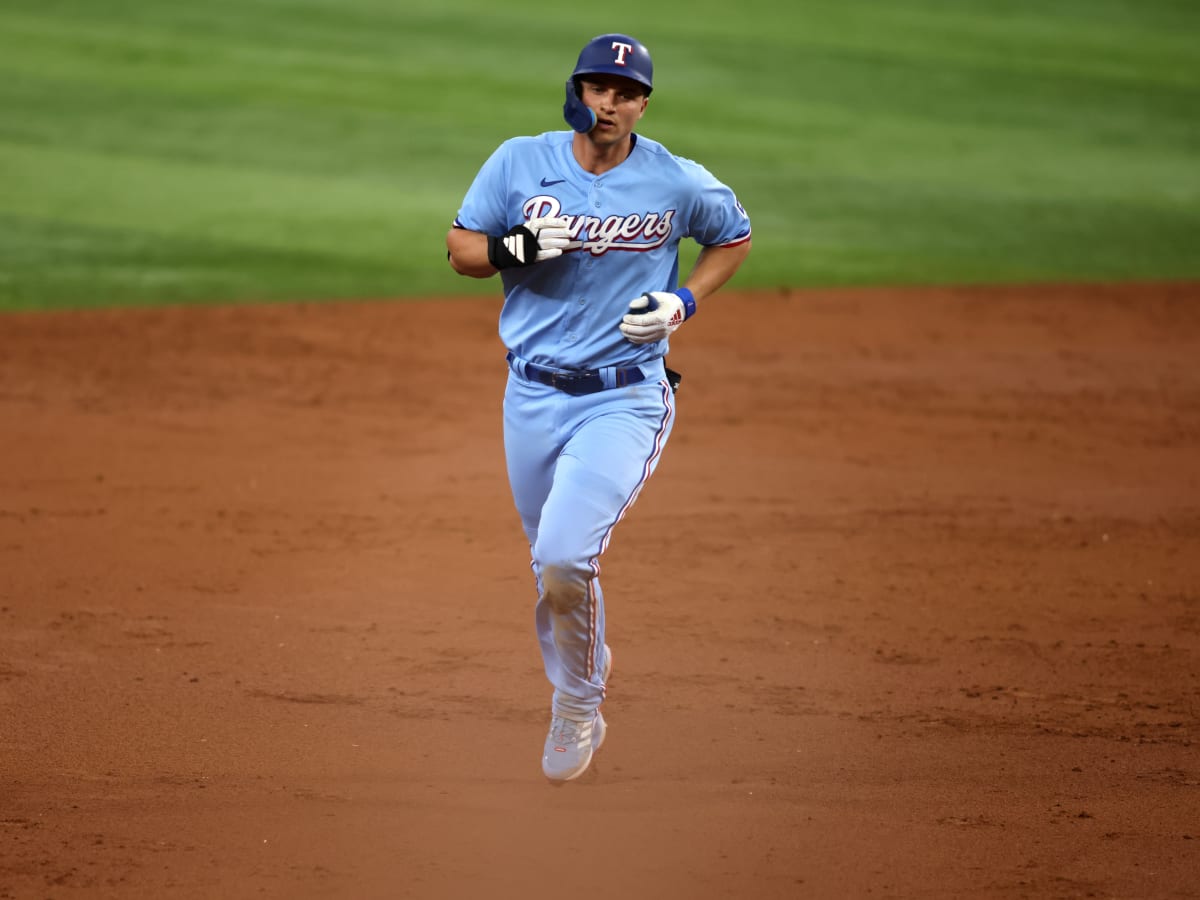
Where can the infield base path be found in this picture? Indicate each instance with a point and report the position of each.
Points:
(911, 608)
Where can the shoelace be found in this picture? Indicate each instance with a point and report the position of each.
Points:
(566, 731)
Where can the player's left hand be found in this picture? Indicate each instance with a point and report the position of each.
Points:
(652, 317)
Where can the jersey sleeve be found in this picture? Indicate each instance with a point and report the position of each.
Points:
(484, 208)
(718, 219)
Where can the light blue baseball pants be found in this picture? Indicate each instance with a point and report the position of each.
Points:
(576, 464)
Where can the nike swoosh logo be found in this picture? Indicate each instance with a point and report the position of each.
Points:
(546, 183)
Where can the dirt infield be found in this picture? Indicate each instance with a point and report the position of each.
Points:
(911, 608)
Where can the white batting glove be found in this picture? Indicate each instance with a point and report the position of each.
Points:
(653, 316)
(551, 235)
(528, 243)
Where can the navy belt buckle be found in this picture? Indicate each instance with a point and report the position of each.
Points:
(576, 383)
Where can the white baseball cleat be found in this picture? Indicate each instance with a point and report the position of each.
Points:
(570, 746)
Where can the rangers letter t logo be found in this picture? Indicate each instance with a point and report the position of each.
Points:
(621, 49)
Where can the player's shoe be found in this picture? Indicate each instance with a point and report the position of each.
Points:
(570, 746)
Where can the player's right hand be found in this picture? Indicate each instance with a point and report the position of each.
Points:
(531, 242)
(551, 234)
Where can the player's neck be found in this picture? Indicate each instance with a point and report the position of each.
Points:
(600, 158)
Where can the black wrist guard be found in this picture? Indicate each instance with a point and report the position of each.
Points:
(516, 247)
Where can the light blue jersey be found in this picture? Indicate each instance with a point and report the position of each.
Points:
(625, 226)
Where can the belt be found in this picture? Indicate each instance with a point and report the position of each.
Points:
(583, 381)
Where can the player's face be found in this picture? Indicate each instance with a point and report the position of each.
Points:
(618, 104)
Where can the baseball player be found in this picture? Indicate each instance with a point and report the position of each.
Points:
(584, 228)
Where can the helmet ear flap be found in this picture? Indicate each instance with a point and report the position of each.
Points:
(578, 115)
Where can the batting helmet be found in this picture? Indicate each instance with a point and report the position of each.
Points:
(608, 54)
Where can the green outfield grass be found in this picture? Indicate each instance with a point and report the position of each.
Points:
(156, 151)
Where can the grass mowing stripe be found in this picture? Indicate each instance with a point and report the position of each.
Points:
(104, 266)
(257, 207)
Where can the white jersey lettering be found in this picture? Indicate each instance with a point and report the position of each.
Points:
(636, 232)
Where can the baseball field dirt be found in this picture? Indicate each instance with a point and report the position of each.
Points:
(910, 609)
